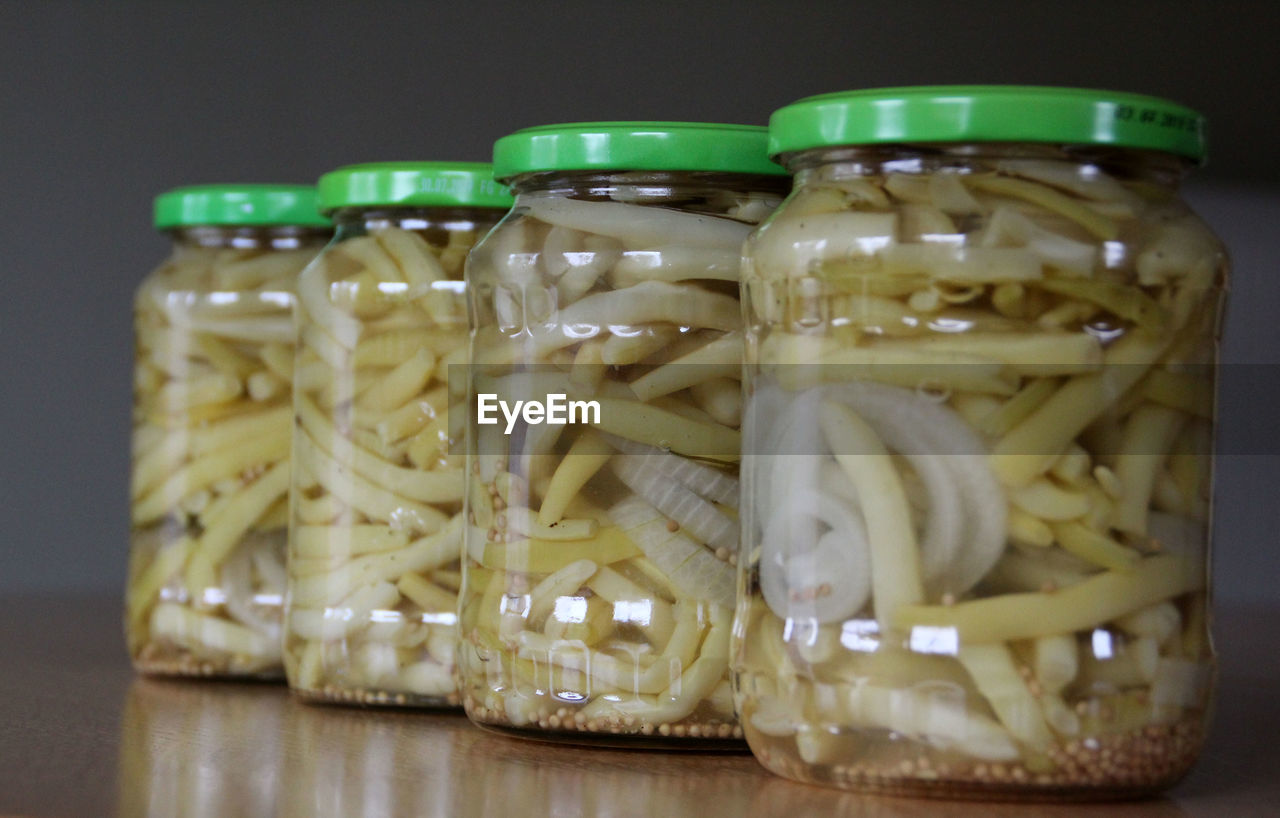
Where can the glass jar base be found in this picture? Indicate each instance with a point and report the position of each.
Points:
(618, 741)
(159, 663)
(366, 697)
(564, 727)
(1112, 768)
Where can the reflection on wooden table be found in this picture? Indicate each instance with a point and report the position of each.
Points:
(227, 749)
(197, 750)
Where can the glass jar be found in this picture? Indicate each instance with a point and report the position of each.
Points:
(981, 336)
(598, 589)
(211, 424)
(377, 493)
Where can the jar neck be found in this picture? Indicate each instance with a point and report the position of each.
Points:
(275, 237)
(647, 187)
(1153, 167)
(449, 219)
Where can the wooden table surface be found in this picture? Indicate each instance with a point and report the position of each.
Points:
(81, 735)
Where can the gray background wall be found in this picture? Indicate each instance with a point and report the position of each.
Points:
(102, 104)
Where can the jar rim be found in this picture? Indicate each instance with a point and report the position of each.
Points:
(988, 113)
(412, 184)
(634, 146)
(232, 205)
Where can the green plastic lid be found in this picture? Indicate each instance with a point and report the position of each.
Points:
(988, 113)
(413, 184)
(661, 146)
(244, 205)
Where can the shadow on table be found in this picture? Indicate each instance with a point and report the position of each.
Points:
(226, 749)
(785, 798)
(200, 749)
(538, 778)
(221, 749)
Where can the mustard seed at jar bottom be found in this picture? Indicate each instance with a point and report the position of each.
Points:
(211, 420)
(981, 337)
(599, 584)
(377, 493)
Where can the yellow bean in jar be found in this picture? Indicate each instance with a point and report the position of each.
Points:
(599, 583)
(210, 479)
(377, 492)
(980, 343)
